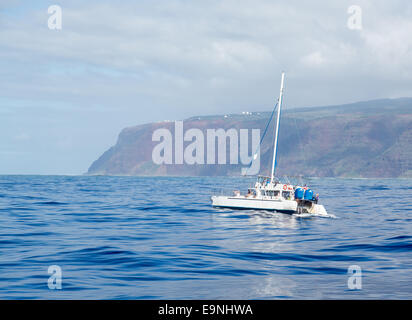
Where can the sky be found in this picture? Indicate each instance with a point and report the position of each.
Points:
(66, 94)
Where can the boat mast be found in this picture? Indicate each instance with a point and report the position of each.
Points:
(277, 128)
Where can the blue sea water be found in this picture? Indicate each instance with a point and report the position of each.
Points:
(159, 238)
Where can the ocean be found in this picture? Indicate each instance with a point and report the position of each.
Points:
(159, 238)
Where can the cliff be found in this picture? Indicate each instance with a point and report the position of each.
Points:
(364, 139)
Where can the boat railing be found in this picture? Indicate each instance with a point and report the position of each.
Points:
(226, 192)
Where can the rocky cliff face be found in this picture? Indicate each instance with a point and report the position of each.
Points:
(365, 139)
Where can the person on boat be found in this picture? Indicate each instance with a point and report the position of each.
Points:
(317, 198)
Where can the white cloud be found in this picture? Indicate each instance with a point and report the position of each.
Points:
(130, 62)
(313, 59)
(390, 46)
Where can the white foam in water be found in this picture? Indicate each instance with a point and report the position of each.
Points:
(307, 215)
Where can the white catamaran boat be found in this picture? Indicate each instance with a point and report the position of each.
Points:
(270, 194)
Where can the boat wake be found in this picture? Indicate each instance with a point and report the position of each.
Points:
(309, 215)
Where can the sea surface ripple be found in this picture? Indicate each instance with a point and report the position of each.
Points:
(159, 238)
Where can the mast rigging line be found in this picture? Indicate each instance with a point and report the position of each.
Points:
(275, 149)
(263, 136)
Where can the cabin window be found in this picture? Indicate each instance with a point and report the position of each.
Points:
(286, 194)
(272, 193)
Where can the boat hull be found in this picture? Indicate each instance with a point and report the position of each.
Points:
(278, 205)
(285, 206)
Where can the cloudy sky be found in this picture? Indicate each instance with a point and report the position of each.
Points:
(66, 94)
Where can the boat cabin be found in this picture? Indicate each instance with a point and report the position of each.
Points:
(265, 189)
